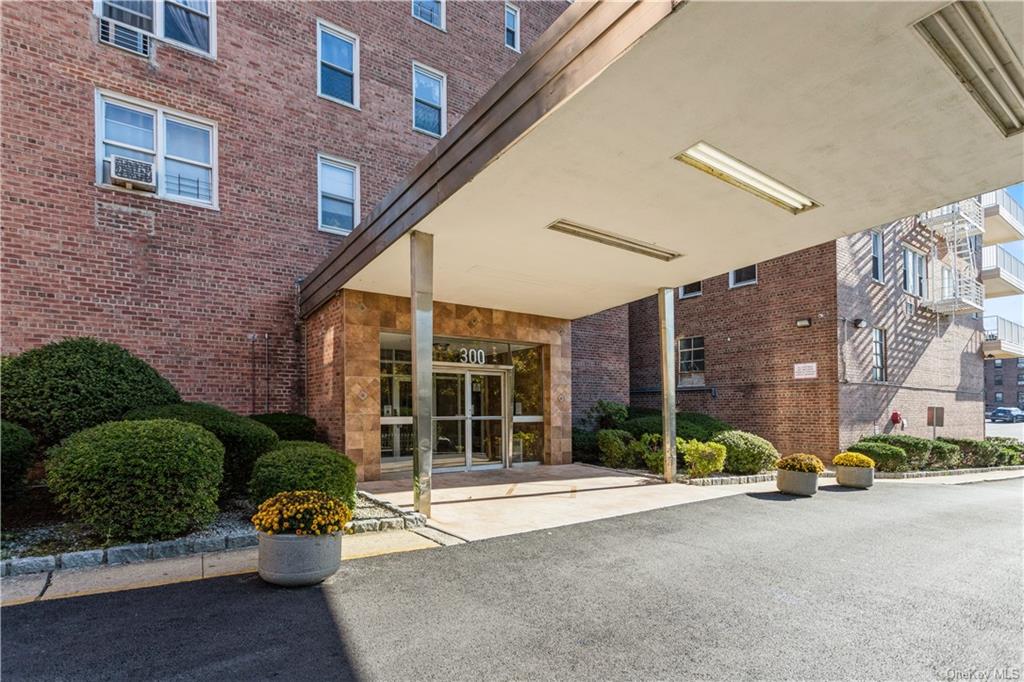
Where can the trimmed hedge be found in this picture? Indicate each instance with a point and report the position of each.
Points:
(918, 450)
(607, 414)
(138, 480)
(303, 465)
(288, 426)
(703, 459)
(584, 446)
(746, 453)
(64, 387)
(976, 453)
(689, 426)
(945, 454)
(1012, 449)
(616, 453)
(17, 447)
(244, 439)
(887, 457)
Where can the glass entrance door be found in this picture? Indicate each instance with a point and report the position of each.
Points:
(469, 419)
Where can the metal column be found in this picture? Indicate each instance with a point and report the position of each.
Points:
(667, 334)
(421, 257)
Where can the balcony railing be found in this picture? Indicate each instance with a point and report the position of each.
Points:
(959, 293)
(1003, 199)
(967, 213)
(1001, 329)
(998, 257)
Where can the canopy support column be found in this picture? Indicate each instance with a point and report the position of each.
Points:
(422, 323)
(667, 334)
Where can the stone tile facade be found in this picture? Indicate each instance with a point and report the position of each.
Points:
(343, 366)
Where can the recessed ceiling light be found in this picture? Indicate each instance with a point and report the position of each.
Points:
(612, 239)
(730, 169)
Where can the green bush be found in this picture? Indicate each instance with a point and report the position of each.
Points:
(703, 459)
(288, 426)
(17, 446)
(584, 446)
(918, 450)
(887, 457)
(607, 414)
(616, 453)
(976, 453)
(64, 387)
(138, 480)
(244, 439)
(746, 453)
(689, 426)
(945, 454)
(303, 465)
(1012, 449)
(647, 450)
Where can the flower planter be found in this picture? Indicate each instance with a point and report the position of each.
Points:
(797, 482)
(295, 560)
(855, 477)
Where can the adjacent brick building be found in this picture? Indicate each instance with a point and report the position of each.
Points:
(1004, 383)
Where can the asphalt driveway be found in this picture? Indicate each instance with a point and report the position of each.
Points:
(900, 582)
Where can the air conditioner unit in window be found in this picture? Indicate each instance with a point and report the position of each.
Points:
(132, 173)
(125, 37)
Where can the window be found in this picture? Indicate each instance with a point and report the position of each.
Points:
(185, 23)
(429, 110)
(691, 354)
(1020, 379)
(998, 397)
(430, 11)
(877, 257)
(691, 290)
(879, 371)
(512, 27)
(1020, 397)
(339, 194)
(997, 363)
(1020, 362)
(998, 380)
(182, 148)
(338, 75)
(914, 273)
(743, 277)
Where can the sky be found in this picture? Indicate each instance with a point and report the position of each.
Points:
(1010, 307)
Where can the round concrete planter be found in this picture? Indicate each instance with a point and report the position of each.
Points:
(797, 482)
(295, 560)
(855, 477)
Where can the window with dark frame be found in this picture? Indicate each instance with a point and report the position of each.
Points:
(879, 371)
(691, 354)
(998, 397)
(877, 256)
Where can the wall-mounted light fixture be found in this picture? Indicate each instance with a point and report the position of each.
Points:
(860, 323)
(804, 322)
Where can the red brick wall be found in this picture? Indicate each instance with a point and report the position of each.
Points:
(1011, 387)
(182, 286)
(600, 360)
(751, 344)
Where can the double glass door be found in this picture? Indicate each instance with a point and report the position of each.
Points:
(469, 419)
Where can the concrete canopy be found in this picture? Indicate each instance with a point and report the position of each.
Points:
(844, 102)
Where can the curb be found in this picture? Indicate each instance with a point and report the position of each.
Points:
(167, 549)
(944, 472)
(738, 480)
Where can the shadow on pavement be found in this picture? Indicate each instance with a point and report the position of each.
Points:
(839, 489)
(236, 627)
(776, 497)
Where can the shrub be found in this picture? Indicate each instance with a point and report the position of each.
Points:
(607, 414)
(244, 439)
(809, 464)
(302, 512)
(945, 454)
(648, 451)
(303, 465)
(916, 449)
(746, 453)
(976, 453)
(1012, 449)
(853, 459)
(288, 426)
(584, 446)
(689, 426)
(614, 446)
(137, 480)
(703, 459)
(887, 457)
(64, 387)
(16, 449)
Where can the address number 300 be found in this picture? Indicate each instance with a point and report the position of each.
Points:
(473, 356)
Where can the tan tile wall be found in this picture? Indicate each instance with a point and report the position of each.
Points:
(343, 366)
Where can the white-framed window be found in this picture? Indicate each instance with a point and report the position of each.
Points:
(431, 12)
(338, 196)
(429, 100)
(337, 76)
(998, 397)
(189, 24)
(997, 363)
(511, 26)
(181, 147)
(915, 273)
(879, 355)
(691, 290)
(743, 277)
(691, 354)
(877, 256)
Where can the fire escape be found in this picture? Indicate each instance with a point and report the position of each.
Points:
(953, 283)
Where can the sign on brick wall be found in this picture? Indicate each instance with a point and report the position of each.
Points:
(805, 370)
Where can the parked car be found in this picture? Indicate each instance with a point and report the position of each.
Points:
(1009, 415)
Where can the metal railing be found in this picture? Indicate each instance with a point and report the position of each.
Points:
(1000, 329)
(1003, 199)
(998, 257)
(968, 213)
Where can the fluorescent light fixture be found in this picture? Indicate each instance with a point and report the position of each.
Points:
(612, 239)
(724, 167)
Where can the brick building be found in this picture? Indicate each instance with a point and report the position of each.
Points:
(817, 348)
(257, 115)
(1004, 383)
